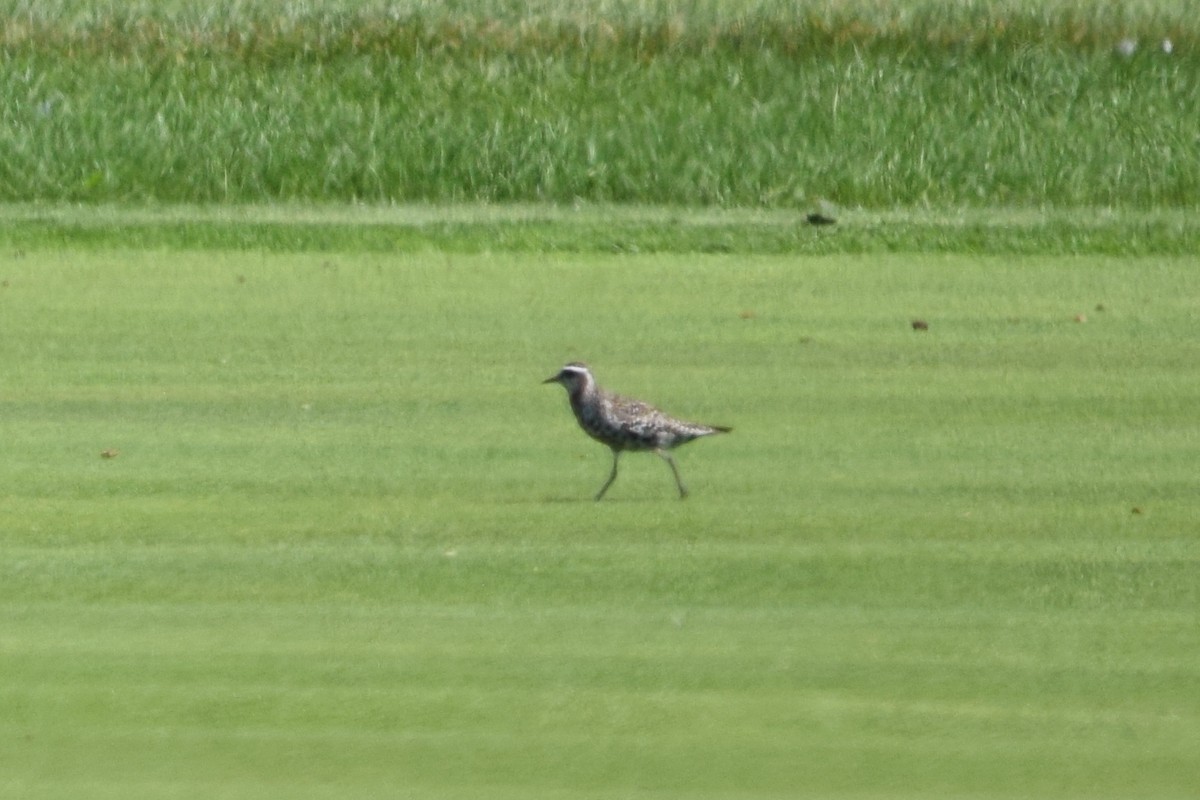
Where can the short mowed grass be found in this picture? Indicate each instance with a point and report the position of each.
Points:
(285, 510)
(345, 545)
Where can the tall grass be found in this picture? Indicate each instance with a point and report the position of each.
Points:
(771, 104)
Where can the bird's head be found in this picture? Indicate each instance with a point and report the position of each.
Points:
(573, 376)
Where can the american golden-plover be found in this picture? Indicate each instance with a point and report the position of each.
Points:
(625, 424)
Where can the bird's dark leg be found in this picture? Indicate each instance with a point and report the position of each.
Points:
(612, 476)
(683, 492)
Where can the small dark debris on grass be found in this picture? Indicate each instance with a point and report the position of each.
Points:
(1100, 307)
(1137, 509)
(110, 452)
(920, 325)
(817, 218)
(747, 313)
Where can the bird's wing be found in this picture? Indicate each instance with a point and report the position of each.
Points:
(640, 419)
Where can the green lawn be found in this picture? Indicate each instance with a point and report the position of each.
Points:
(285, 511)
(347, 547)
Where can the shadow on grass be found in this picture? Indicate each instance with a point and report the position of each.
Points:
(585, 500)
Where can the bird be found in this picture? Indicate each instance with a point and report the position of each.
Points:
(626, 424)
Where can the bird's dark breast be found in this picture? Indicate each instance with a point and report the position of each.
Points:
(612, 433)
(624, 439)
